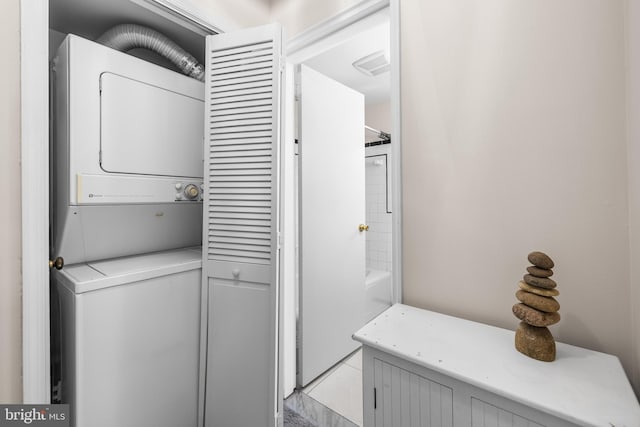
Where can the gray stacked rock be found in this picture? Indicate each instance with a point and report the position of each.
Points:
(537, 309)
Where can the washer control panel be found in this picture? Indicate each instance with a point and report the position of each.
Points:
(188, 191)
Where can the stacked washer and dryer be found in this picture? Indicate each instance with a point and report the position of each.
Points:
(127, 222)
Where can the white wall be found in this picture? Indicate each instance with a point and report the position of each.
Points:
(235, 14)
(378, 116)
(514, 140)
(10, 214)
(299, 15)
(633, 98)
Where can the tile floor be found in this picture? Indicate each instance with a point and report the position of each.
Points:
(340, 388)
(300, 410)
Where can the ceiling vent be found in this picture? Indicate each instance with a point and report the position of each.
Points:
(374, 64)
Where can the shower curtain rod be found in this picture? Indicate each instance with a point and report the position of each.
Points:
(382, 135)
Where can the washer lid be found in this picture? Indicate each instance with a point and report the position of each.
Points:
(92, 276)
(154, 263)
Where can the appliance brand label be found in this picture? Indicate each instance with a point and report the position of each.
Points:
(34, 415)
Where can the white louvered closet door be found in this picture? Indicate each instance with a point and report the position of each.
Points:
(240, 232)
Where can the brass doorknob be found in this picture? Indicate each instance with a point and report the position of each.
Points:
(363, 227)
(57, 263)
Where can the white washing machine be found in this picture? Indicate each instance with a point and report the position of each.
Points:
(128, 338)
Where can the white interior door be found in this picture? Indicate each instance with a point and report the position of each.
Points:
(241, 298)
(332, 206)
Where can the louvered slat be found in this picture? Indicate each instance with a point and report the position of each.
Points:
(243, 209)
(240, 240)
(236, 129)
(247, 166)
(240, 132)
(234, 234)
(247, 230)
(232, 185)
(240, 86)
(241, 76)
(239, 142)
(225, 109)
(257, 59)
(240, 148)
(241, 112)
(231, 82)
(230, 119)
(244, 66)
(248, 51)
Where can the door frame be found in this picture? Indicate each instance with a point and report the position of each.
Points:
(34, 116)
(304, 46)
(312, 42)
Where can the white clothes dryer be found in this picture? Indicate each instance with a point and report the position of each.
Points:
(128, 155)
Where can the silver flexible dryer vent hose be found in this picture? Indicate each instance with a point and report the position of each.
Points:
(125, 37)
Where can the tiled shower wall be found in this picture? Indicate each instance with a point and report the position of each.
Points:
(378, 206)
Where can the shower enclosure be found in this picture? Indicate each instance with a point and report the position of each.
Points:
(378, 290)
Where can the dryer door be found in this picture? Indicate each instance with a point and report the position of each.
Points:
(150, 130)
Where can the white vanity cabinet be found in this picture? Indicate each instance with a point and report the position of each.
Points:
(426, 369)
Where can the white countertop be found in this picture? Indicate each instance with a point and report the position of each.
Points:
(581, 386)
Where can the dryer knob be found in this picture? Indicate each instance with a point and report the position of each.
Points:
(191, 192)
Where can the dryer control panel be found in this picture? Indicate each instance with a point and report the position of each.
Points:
(114, 189)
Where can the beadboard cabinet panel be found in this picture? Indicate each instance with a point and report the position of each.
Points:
(484, 414)
(405, 399)
(398, 393)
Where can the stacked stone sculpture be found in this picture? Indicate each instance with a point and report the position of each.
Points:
(537, 309)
